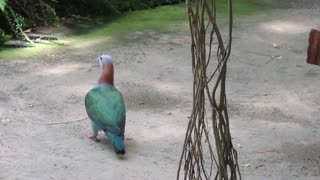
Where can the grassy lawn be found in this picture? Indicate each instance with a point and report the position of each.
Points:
(158, 19)
(167, 16)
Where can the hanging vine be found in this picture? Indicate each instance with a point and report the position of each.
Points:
(199, 158)
(19, 15)
(15, 25)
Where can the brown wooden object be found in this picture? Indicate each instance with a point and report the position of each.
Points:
(314, 47)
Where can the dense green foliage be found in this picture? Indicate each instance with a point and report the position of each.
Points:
(3, 37)
(162, 18)
(23, 14)
(18, 15)
(107, 7)
(3, 4)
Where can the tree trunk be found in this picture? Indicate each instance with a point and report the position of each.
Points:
(314, 48)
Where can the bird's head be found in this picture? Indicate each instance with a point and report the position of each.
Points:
(105, 62)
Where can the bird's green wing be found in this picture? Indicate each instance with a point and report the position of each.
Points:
(106, 108)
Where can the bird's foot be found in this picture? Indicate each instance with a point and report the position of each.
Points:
(88, 134)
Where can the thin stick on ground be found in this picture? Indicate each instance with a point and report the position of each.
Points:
(68, 122)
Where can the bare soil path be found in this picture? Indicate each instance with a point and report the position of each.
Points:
(274, 103)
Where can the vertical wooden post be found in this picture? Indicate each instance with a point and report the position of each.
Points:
(314, 47)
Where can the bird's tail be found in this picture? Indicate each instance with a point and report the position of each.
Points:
(117, 143)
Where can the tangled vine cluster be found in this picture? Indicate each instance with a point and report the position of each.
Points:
(208, 144)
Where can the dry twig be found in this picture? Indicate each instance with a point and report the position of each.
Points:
(68, 122)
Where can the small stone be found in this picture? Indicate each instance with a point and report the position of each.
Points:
(275, 45)
(246, 165)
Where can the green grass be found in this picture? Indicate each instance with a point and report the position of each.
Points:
(167, 16)
(152, 19)
(7, 54)
(250, 7)
(159, 18)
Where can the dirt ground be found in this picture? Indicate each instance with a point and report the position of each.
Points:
(274, 103)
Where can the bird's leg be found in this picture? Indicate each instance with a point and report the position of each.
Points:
(93, 132)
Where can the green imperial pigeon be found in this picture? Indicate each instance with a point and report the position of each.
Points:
(106, 108)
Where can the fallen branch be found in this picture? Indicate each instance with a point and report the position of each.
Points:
(18, 43)
(41, 36)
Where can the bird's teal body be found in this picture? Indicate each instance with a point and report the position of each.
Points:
(106, 109)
